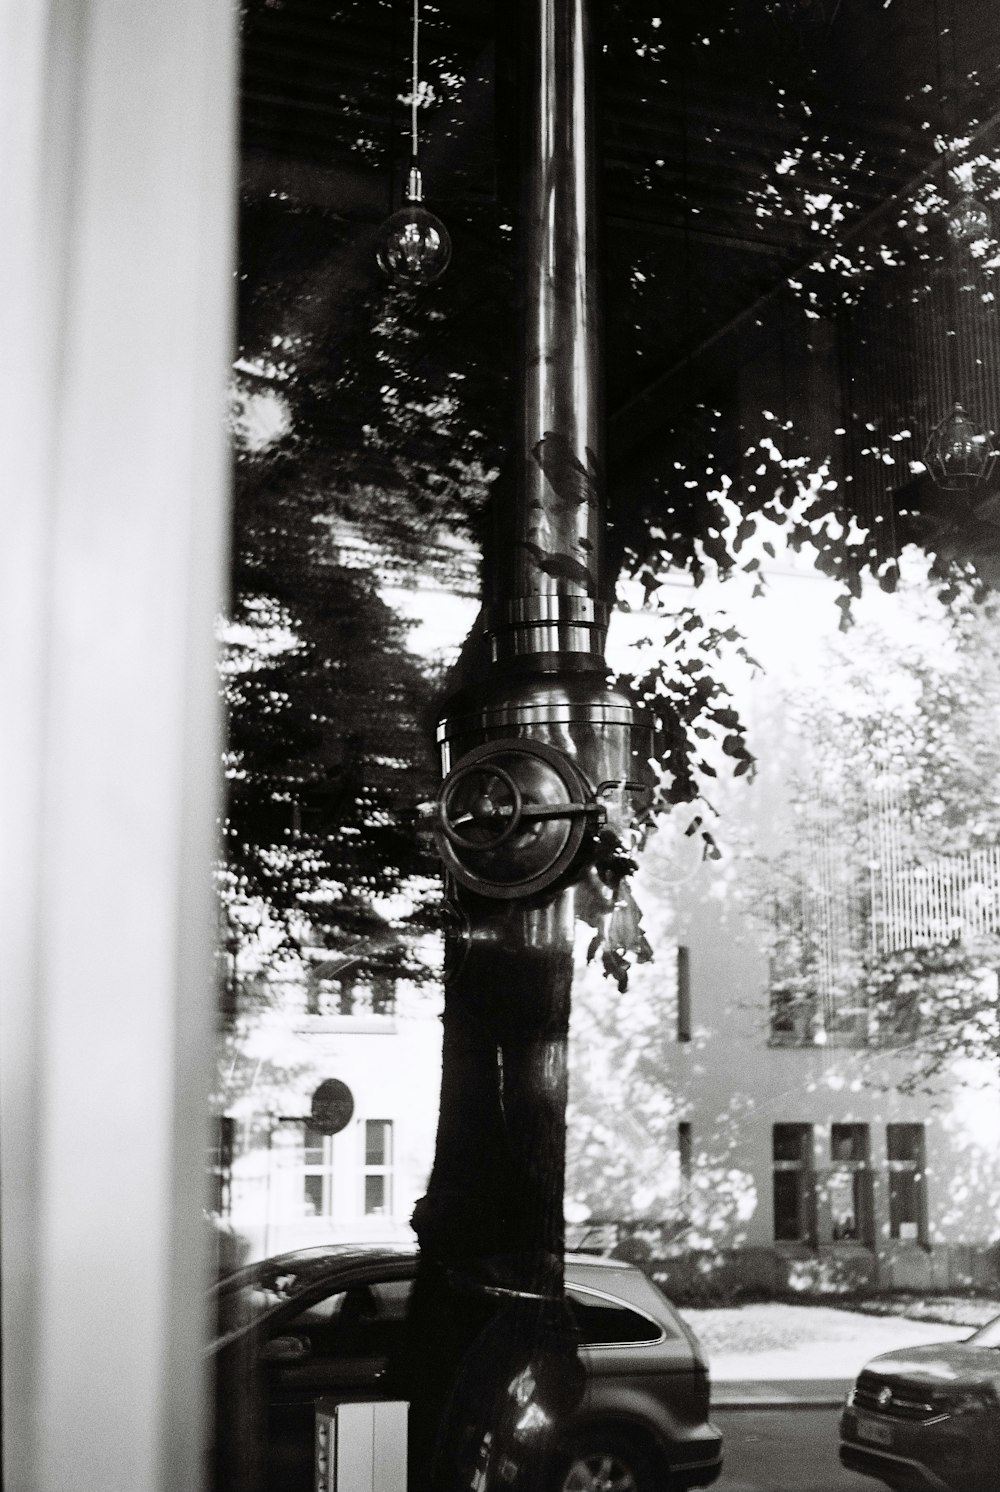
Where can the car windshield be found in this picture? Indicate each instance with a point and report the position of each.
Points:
(249, 1294)
(988, 1335)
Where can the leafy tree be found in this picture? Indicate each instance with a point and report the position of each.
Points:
(900, 775)
(371, 423)
(328, 743)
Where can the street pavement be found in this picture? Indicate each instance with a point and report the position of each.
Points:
(792, 1449)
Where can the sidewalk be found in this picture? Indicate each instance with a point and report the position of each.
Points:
(780, 1393)
(805, 1356)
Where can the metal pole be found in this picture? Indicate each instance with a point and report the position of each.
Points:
(548, 602)
(544, 763)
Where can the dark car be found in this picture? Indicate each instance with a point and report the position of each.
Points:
(928, 1417)
(321, 1322)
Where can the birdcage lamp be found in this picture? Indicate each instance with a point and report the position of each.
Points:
(959, 454)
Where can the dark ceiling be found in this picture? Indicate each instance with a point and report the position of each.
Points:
(739, 149)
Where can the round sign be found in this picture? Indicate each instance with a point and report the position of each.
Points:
(332, 1107)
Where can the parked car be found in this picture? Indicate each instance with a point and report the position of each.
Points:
(928, 1417)
(321, 1322)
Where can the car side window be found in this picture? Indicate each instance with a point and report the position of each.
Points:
(362, 1321)
(601, 1321)
(321, 1313)
(392, 1298)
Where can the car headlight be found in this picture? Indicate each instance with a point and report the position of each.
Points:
(973, 1401)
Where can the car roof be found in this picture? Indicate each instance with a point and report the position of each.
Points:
(312, 1259)
(381, 1253)
(301, 1270)
(299, 1273)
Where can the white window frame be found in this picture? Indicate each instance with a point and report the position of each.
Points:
(322, 1168)
(385, 1169)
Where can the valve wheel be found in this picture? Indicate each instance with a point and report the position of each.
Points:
(513, 816)
(484, 811)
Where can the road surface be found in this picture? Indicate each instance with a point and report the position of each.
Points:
(784, 1450)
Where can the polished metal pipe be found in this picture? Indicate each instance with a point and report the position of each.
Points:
(544, 724)
(548, 601)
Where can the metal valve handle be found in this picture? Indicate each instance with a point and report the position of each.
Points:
(485, 811)
(515, 814)
(512, 817)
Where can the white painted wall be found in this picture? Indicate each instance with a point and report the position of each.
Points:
(727, 1082)
(117, 179)
(392, 1066)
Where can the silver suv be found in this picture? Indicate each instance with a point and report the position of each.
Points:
(321, 1322)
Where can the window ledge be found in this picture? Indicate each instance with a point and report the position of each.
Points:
(357, 1025)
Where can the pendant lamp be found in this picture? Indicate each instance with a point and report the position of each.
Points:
(414, 246)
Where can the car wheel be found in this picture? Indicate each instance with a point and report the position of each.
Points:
(605, 1463)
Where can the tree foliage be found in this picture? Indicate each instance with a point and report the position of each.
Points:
(370, 424)
(874, 936)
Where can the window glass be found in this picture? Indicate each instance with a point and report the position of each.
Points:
(601, 1322)
(794, 1188)
(788, 1207)
(848, 1185)
(317, 1172)
(849, 1142)
(844, 1192)
(320, 1313)
(904, 1217)
(312, 1144)
(378, 1167)
(790, 1141)
(684, 1148)
(313, 1194)
(393, 1298)
(683, 994)
(904, 1142)
(793, 1017)
(907, 1197)
(377, 1142)
(364, 1319)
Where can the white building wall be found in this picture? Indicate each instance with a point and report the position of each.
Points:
(733, 1087)
(392, 1066)
(727, 1082)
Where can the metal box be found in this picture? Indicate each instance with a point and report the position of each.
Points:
(361, 1447)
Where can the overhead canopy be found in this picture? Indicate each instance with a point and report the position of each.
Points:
(775, 203)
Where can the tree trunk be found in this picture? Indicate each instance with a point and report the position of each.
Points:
(492, 1356)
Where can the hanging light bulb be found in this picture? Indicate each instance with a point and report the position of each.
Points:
(414, 246)
(968, 220)
(959, 454)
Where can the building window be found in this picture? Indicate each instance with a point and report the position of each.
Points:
(317, 1174)
(907, 1187)
(684, 1150)
(683, 994)
(794, 1184)
(793, 1017)
(378, 1166)
(331, 992)
(849, 1185)
(220, 1165)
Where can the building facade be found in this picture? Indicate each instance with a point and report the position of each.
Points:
(740, 1114)
(328, 1132)
(748, 1113)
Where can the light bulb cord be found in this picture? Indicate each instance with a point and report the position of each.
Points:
(415, 82)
